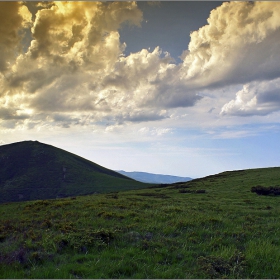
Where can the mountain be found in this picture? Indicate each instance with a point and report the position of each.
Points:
(154, 178)
(31, 170)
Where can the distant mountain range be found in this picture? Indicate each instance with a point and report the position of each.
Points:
(154, 178)
(31, 170)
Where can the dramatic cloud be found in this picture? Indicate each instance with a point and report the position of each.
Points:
(14, 18)
(63, 63)
(239, 44)
(73, 48)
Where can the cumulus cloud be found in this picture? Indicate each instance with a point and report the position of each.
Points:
(64, 64)
(148, 80)
(258, 98)
(74, 47)
(70, 38)
(75, 64)
(238, 45)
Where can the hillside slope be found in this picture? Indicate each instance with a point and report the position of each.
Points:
(146, 177)
(209, 228)
(32, 170)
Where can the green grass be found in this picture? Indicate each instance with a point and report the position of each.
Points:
(226, 232)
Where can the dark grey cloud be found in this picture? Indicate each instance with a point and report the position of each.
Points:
(173, 96)
(13, 18)
(142, 116)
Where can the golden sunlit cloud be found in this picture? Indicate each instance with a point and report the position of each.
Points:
(66, 63)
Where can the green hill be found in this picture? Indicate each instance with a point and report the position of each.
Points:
(213, 227)
(32, 170)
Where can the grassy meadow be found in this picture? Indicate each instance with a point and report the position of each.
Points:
(213, 227)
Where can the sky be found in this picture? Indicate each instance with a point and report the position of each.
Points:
(179, 88)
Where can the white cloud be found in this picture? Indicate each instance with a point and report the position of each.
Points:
(232, 134)
(239, 44)
(162, 131)
(113, 128)
(258, 98)
(154, 131)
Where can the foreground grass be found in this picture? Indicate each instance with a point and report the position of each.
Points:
(167, 232)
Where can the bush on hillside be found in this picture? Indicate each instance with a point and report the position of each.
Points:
(191, 191)
(260, 190)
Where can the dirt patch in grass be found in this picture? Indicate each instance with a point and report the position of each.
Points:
(218, 267)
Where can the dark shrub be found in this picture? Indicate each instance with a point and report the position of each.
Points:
(158, 186)
(191, 191)
(201, 191)
(180, 186)
(260, 190)
(185, 191)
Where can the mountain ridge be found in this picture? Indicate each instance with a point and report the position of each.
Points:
(154, 178)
